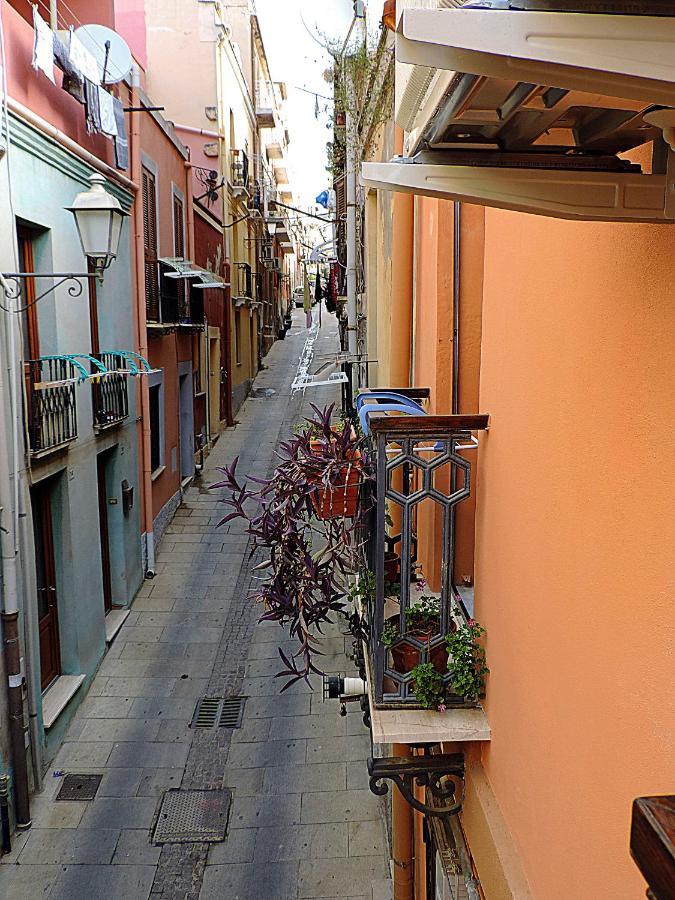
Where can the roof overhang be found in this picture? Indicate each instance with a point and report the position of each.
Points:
(616, 55)
(601, 196)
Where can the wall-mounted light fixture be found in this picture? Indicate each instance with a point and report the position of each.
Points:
(98, 219)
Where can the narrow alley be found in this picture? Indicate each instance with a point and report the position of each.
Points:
(302, 822)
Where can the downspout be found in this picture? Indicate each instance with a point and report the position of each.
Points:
(456, 284)
(229, 412)
(402, 838)
(136, 245)
(189, 129)
(456, 248)
(10, 597)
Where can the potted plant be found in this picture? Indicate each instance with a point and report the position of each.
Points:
(336, 456)
(298, 585)
(423, 623)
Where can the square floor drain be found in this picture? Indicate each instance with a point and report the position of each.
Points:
(224, 712)
(79, 787)
(187, 817)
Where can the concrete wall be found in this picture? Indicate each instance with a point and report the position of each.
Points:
(574, 555)
(45, 179)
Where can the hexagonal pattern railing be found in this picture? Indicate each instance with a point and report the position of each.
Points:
(418, 462)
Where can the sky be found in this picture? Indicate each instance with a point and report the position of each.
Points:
(296, 57)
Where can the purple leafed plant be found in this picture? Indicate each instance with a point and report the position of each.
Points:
(306, 563)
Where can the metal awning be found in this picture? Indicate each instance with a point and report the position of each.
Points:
(208, 279)
(182, 268)
(536, 110)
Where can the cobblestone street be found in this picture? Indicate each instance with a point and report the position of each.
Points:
(302, 822)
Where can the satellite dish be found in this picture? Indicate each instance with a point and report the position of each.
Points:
(111, 52)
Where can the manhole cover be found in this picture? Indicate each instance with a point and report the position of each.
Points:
(79, 787)
(262, 393)
(187, 817)
(225, 712)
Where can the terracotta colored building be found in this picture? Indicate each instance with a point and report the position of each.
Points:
(525, 275)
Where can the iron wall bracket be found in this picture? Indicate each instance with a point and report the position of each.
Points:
(423, 771)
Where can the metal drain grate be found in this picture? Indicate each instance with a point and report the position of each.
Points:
(262, 394)
(223, 712)
(79, 787)
(187, 817)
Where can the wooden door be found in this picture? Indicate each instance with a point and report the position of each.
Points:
(45, 576)
(103, 531)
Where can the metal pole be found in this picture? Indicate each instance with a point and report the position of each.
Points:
(53, 18)
(351, 215)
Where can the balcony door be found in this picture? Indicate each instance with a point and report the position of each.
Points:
(45, 576)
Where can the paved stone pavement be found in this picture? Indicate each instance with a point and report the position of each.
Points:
(303, 823)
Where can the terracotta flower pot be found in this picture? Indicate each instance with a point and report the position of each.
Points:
(405, 656)
(391, 567)
(340, 500)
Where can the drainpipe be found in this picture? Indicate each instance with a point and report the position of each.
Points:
(402, 838)
(189, 129)
(9, 547)
(229, 411)
(456, 283)
(136, 246)
(351, 134)
(403, 248)
(456, 245)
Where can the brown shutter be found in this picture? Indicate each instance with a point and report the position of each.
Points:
(149, 190)
(179, 250)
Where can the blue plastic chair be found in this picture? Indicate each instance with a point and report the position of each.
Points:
(390, 397)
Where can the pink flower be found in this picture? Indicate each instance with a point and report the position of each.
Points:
(421, 584)
(442, 707)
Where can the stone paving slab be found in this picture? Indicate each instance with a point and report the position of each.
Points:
(302, 823)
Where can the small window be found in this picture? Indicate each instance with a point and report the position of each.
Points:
(155, 427)
(237, 336)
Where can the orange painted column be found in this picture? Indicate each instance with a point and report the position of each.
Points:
(401, 283)
(402, 838)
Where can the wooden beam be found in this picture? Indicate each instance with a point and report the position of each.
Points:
(427, 425)
(652, 843)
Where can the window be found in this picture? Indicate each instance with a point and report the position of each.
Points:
(237, 336)
(155, 427)
(149, 190)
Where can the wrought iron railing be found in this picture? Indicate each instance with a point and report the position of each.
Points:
(421, 476)
(52, 409)
(240, 169)
(110, 394)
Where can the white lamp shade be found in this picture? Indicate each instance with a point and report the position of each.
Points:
(98, 218)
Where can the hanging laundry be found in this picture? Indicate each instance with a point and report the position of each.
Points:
(120, 140)
(73, 81)
(92, 106)
(107, 112)
(83, 59)
(43, 46)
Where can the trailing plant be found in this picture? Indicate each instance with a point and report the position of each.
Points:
(300, 587)
(467, 666)
(428, 686)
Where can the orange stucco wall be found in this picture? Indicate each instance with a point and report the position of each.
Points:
(574, 540)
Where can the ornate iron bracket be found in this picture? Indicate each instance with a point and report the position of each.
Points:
(20, 278)
(424, 771)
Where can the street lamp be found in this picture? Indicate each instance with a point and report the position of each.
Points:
(98, 218)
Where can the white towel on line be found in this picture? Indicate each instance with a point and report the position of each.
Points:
(43, 46)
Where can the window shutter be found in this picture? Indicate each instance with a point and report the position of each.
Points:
(179, 250)
(149, 191)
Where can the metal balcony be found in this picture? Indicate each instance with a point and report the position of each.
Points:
(52, 411)
(239, 170)
(422, 474)
(110, 396)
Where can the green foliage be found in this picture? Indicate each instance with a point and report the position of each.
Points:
(423, 615)
(467, 664)
(428, 686)
(389, 632)
(364, 587)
